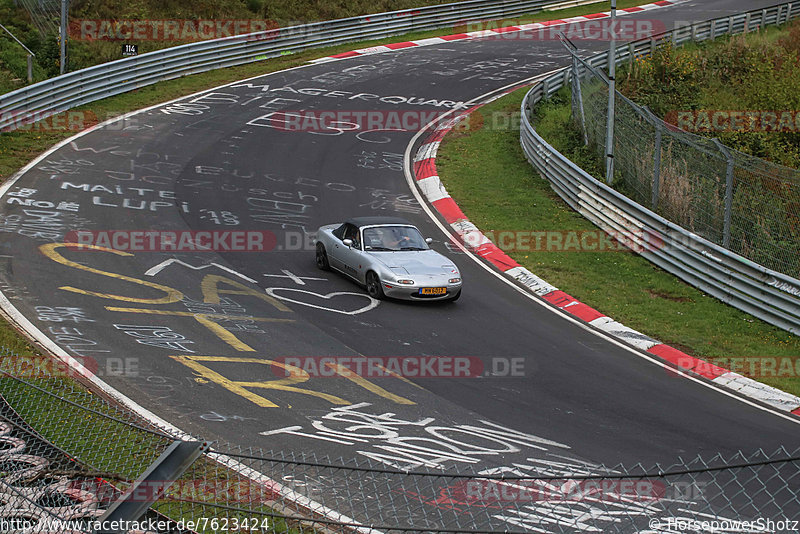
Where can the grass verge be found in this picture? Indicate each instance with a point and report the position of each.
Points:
(486, 173)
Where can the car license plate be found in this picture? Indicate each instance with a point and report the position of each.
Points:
(433, 291)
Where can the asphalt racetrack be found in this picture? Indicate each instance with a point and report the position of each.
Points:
(226, 161)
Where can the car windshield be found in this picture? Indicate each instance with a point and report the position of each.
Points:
(393, 238)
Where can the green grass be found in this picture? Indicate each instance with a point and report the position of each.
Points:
(63, 413)
(487, 174)
(11, 339)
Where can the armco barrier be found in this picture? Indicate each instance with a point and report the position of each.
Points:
(94, 83)
(764, 293)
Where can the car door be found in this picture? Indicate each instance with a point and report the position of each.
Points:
(351, 257)
(337, 250)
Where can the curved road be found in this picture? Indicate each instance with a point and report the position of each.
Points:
(223, 160)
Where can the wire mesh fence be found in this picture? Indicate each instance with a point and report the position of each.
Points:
(67, 455)
(45, 14)
(745, 204)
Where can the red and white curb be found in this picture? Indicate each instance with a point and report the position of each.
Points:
(488, 33)
(430, 186)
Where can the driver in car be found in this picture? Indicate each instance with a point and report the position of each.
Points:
(393, 241)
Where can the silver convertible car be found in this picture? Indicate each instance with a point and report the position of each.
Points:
(388, 256)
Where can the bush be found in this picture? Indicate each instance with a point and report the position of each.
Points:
(754, 72)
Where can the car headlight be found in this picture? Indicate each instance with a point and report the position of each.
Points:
(454, 280)
(406, 282)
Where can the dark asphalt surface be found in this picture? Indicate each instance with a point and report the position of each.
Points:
(214, 162)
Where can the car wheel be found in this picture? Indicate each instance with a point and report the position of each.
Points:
(374, 287)
(458, 296)
(322, 258)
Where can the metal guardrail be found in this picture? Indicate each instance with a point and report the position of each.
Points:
(94, 83)
(767, 294)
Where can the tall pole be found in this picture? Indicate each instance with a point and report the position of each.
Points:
(612, 72)
(63, 31)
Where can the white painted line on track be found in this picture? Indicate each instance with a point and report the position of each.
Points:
(152, 271)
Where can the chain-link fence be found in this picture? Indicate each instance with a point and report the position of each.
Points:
(45, 14)
(68, 455)
(747, 205)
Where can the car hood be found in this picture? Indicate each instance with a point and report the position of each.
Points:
(415, 262)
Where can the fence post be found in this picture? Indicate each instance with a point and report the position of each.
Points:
(763, 18)
(657, 168)
(726, 228)
(612, 95)
(578, 90)
(30, 54)
(676, 34)
(747, 23)
(656, 157)
(63, 35)
(153, 483)
(712, 33)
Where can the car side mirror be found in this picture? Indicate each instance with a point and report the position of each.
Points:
(429, 240)
(348, 242)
